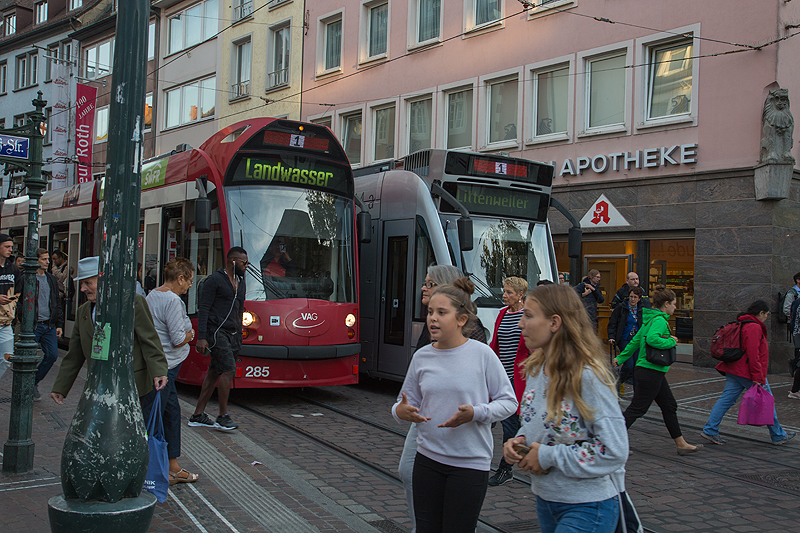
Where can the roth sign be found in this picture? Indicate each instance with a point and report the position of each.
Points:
(14, 147)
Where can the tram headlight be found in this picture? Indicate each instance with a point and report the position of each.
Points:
(350, 320)
(248, 319)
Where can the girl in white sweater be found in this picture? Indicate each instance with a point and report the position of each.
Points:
(454, 389)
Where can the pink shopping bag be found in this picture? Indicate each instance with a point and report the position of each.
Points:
(758, 407)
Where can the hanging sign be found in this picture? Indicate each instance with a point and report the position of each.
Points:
(603, 214)
(84, 130)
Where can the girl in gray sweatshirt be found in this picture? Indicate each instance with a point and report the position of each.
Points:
(570, 416)
(454, 389)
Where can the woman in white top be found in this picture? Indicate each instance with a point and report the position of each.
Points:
(175, 331)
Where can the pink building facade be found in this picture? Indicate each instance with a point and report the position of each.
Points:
(651, 114)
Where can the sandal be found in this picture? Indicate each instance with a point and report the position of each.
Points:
(175, 477)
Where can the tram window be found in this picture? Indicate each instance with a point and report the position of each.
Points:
(424, 258)
(396, 278)
(205, 253)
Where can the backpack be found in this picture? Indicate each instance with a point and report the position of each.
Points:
(726, 344)
(782, 318)
(793, 312)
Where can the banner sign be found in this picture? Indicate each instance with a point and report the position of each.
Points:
(84, 130)
(59, 124)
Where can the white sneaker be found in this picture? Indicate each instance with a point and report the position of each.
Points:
(795, 395)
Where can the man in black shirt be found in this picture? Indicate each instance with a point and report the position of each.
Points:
(219, 333)
(10, 291)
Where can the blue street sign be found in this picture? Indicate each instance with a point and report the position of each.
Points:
(16, 147)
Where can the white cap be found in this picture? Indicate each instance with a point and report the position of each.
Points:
(88, 267)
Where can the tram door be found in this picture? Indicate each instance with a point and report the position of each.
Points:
(397, 297)
(73, 256)
(152, 243)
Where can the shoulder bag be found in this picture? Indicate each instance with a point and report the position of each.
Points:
(659, 356)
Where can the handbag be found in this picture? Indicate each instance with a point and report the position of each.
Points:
(660, 356)
(757, 408)
(157, 479)
(629, 521)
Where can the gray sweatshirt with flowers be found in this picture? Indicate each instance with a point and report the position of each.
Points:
(582, 455)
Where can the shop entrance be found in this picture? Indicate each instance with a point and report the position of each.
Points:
(613, 270)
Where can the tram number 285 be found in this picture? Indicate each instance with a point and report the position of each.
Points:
(256, 371)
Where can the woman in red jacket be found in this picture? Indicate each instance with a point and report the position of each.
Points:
(740, 375)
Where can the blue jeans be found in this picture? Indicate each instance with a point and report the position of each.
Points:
(170, 412)
(592, 517)
(510, 428)
(734, 386)
(48, 340)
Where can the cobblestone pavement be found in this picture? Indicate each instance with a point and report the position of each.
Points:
(264, 477)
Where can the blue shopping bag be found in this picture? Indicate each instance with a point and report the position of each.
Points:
(157, 480)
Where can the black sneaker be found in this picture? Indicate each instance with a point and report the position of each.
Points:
(201, 421)
(225, 423)
(36, 396)
(501, 477)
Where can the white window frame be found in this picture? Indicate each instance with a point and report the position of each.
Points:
(413, 26)
(442, 109)
(339, 121)
(3, 77)
(151, 41)
(471, 27)
(75, 4)
(236, 79)
(241, 10)
(369, 127)
(644, 46)
(200, 118)
(365, 30)
(275, 4)
(26, 70)
(404, 118)
(543, 8)
(531, 97)
(39, 9)
(85, 60)
(180, 14)
(10, 24)
(582, 95)
(99, 112)
(322, 43)
(483, 109)
(273, 81)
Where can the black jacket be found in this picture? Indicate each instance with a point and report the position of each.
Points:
(56, 312)
(618, 320)
(218, 301)
(622, 295)
(591, 300)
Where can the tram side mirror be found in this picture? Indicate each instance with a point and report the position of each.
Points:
(364, 226)
(202, 215)
(465, 234)
(574, 246)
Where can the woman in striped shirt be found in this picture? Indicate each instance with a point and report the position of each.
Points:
(507, 343)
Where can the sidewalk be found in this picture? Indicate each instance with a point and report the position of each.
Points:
(243, 486)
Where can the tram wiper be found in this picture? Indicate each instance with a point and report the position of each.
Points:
(268, 284)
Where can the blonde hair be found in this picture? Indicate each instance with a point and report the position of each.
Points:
(516, 284)
(574, 346)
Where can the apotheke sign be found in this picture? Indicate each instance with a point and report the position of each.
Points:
(683, 154)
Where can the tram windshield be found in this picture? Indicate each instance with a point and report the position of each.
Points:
(504, 248)
(299, 242)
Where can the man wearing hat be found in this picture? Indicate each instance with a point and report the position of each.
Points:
(149, 361)
(10, 290)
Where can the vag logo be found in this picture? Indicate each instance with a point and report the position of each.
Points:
(308, 316)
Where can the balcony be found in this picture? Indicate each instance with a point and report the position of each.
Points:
(279, 78)
(240, 90)
(242, 11)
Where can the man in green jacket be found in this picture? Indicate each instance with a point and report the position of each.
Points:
(149, 361)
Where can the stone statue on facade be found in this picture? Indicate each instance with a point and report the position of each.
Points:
(777, 126)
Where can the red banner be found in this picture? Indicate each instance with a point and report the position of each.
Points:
(84, 130)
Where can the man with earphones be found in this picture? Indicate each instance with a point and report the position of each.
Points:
(219, 334)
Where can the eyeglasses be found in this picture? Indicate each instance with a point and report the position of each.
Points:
(429, 284)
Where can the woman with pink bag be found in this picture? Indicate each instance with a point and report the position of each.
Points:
(741, 374)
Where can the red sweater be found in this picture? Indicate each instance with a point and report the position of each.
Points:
(522, 354)
(754, 363)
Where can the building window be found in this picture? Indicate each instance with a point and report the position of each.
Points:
(240, 69)
(3, 77)
(151, 41)
(148, 112)
(323, 121)
(419, 124)
(383, 133)
(501, 112)
(27, 70)
(428, 20)
(242, 9)
(75, 4)
(20, 120)
(484, 12)
(551, 101)
(11, 24)
(97, 60)
(41, 12)
(378, 30)
(605, 91)
(192, 26)
(459, 119)
(669, 80)
(190, 103)
(351, 137)
(101, 125)
(332, 50)
(279, 54)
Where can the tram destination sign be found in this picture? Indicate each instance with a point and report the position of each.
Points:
(15, 147)
(304, 172)
(496, 201)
